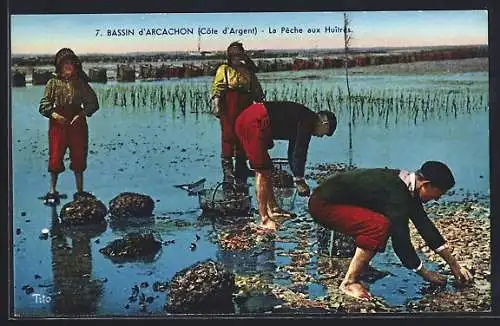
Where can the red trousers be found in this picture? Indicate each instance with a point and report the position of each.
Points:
(370, 229)
(74, 137)
(234, 103)
(253, 128)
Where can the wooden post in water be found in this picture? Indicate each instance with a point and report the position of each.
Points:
(347, 41)
(40, 77)
(125, 73)
(98, 75)
(18, 79)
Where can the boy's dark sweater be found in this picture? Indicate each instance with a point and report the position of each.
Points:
(382, 191)
(293, 122)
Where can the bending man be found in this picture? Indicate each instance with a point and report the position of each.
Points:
(258, 125)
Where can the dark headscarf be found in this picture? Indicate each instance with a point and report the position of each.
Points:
(68, 54)
(237, 48)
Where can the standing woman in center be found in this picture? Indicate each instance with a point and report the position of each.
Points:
(235, 87)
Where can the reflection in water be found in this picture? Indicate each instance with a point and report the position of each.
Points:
(258, 263)
(260, 260)
(300, 258)
(75, 293)
(130, 224)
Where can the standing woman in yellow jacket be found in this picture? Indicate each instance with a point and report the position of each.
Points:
(234, 88)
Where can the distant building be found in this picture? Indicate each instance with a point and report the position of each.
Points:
(98, 75)
(202, 54)
(41, 77)
(18, 79)
(125, 73)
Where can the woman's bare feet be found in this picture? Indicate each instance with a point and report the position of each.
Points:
(356, 290)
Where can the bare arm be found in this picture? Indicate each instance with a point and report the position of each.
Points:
(461, 274)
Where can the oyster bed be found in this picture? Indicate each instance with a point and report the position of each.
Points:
(464, 224)
(466, 227)
(289, 264)
(289, 271)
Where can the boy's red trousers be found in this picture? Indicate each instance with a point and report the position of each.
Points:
(253, 128)
(370, 229)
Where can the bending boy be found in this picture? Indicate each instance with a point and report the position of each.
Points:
(373, 204)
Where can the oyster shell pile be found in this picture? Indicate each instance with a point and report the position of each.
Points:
(466, 227)
(205, 287)
(83, 211)
(244, 238)
(130, 204)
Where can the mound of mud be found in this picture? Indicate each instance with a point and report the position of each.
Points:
(130, 204)
(82, 211)
(132, 246)
(205, 287)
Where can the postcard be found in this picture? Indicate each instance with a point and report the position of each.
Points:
(166, 164)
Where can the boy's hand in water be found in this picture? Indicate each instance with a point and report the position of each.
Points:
(462, 275)
(432, 277)
(302, 188)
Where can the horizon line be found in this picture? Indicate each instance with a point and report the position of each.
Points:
(249, 50)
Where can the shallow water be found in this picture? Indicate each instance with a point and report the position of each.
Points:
(149, 152)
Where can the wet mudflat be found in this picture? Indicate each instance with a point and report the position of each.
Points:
(148, 152)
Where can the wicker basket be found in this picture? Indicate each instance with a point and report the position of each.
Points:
(284, 187)
(224, 199)
(281, 173)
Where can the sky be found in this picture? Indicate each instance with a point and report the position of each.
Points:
(45, 34)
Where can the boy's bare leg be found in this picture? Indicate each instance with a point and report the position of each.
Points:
(351, 284)
(273, 210)
(264, 193)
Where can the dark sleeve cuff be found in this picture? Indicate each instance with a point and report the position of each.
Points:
(418, 268)
(46, 110)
